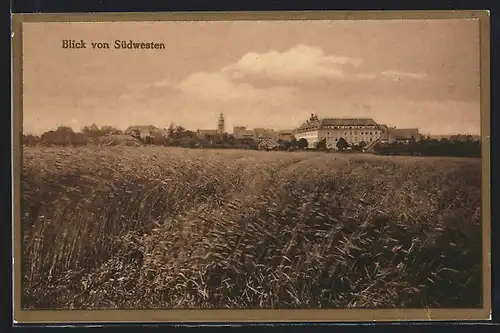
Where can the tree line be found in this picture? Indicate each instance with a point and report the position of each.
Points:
(176, 136)
(432, 147)
(65, 136)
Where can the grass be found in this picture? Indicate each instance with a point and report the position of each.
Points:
(152, 227)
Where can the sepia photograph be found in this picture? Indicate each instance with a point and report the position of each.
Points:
(225, 162)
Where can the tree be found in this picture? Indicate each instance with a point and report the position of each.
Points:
(48, 138)
(135, 134)
(302, 143)
(171, 130)
(79, 139)
(91, 131)
(412, 148)
(379, 148)
(342, 144)
(321, 144)
(30, 140)
(285, 145)
(64, 129)
(109, 130)
(207, 138)
(62, 136)
(228, 138)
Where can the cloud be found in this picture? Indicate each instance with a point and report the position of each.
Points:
(217, 85)
(271, 75)
(299, 62)
(303, 63)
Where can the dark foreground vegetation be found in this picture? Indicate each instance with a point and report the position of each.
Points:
(156, 227)
(432, 147)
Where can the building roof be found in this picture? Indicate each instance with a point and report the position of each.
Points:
(287, 131)
(245, 132)
(320, 123)
(208, 131)
(268, 134)
(268, 143)
(385, 127)
(405, 133)
(142, 128)
(115, 140)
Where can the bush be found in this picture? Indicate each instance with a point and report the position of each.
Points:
(430, 147)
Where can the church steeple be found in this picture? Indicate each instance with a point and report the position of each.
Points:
(220, 124)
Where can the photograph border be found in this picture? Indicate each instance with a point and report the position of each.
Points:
(247, 315)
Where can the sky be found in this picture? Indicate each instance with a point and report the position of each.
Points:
(273, 74)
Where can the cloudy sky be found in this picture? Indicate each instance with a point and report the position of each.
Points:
(418, 73)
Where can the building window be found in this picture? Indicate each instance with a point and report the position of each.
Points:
(371, 133)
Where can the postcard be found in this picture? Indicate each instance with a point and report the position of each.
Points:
(251, 167)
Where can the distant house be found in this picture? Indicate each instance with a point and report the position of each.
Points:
(115, 140)
(144, 131)
(239, 128)
(404, 135)
(464, 137)
(268, 144)
(258, 131)
(454, 137)
(285, 135)
(206, 132)
(241, 132)
(246, 135)
(268, 135)
(386, 133)
(437, 137)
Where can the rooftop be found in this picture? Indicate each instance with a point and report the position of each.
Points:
(315, 123)
(405, 133)
(207, 132)
(142, 128)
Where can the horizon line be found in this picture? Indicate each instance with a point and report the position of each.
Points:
(266, 128)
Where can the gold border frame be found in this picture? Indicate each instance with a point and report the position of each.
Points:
(312, 315)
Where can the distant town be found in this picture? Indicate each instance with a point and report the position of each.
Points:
(315, 130)
(315, 133)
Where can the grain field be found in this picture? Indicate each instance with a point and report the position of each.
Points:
(156, 227)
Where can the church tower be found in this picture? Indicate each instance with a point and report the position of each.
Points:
(220, 124)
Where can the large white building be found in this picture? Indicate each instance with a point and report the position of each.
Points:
(353, 130)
